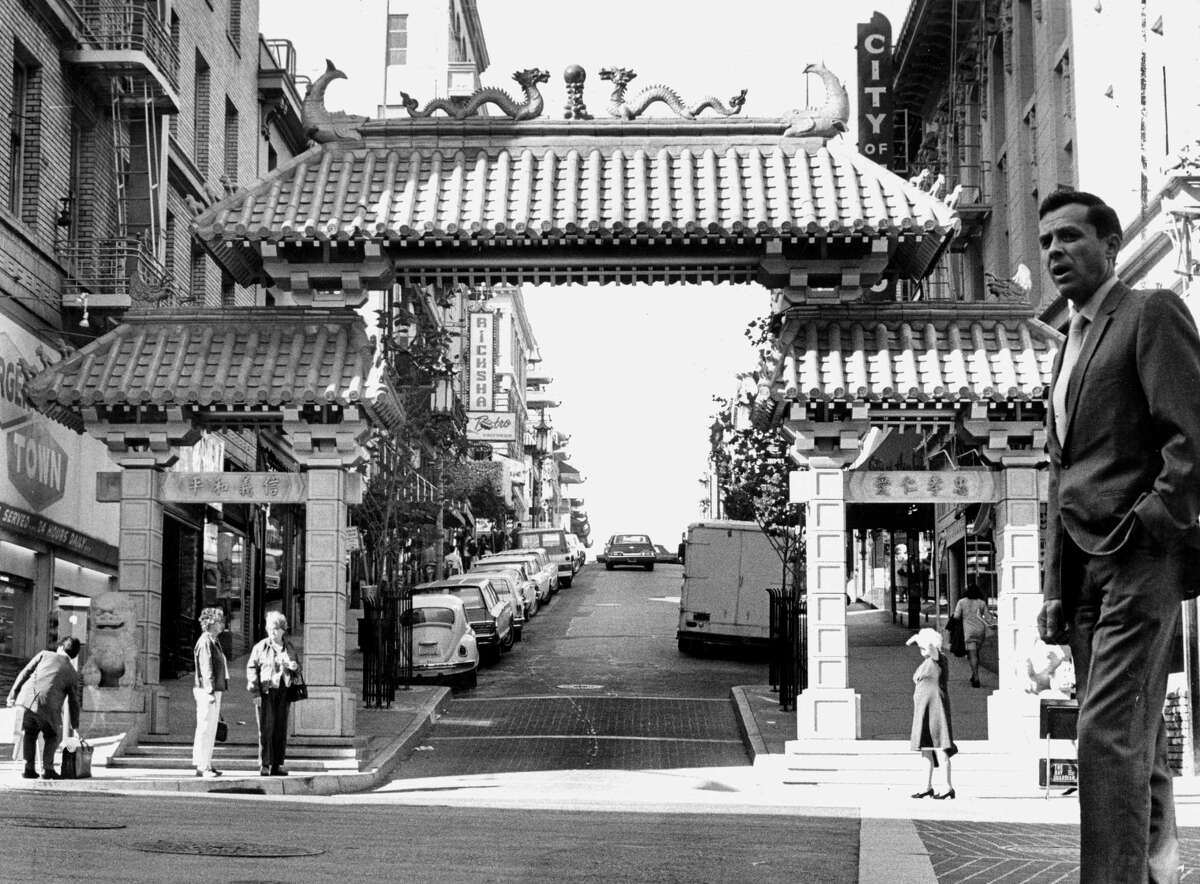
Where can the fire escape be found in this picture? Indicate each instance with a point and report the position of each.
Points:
(117, 260)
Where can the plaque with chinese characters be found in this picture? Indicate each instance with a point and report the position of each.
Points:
(903, 486)
(234, 487)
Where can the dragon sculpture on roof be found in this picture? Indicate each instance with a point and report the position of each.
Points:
(527, 79)
(631, 110)
(321, 125)
(831, 117)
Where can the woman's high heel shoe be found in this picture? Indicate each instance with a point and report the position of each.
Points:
(943, 796)
(924, 794)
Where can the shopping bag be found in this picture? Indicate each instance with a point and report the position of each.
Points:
(958, 644)
(77, 762)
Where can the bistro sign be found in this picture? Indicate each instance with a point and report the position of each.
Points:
(493, 426)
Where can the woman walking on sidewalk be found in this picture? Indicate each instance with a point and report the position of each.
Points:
(973, 613)
(211, 681)
(932, 734)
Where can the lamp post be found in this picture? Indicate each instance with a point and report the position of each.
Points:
(540, 451)
(441, 402)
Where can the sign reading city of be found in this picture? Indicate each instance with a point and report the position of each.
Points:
(875, 89)
(491, 426)
(481, 369)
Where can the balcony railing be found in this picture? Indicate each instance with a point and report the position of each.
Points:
(119, 272)
(131, 26)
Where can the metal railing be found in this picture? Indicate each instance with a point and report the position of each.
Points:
(788, 668)
(280, 55)
(116, 271)
(385, 637)
(131, 25)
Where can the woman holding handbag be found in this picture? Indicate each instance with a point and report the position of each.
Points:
(211, 680)
(272, 668)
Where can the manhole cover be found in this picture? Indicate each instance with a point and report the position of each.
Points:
(580, 687)
(51, 822)
(225, 848)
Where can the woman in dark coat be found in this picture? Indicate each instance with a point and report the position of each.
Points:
(272, 666)
(932, 733)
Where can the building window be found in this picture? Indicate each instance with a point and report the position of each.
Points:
(228, 291)
(23, 144)
(173, 120)
(170, 231)
(1025, 57)
(200, 107)
(234, 28)
(231, 142)
(198, 281)
(397, 39)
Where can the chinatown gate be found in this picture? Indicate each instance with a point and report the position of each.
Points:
(704, 196)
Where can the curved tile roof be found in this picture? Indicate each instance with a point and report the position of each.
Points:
(265, 357)
(913, 359)
(455, 189)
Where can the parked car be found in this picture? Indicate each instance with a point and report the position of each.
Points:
(522, 573)
(553, 542)
(664, 556)
(544, 573)
(602, 556)
(577, 551)
(443, 644)
(506, 586)
(629, 550)
(491, 617)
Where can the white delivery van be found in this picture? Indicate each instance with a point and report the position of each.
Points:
(727, 568)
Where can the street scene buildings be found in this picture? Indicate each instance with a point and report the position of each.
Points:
(261, 354)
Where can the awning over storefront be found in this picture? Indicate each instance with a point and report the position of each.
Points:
(219, 362)
(911, 353)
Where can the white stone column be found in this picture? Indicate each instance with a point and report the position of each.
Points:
(330, 707)
(1012, 713)
(828, 708)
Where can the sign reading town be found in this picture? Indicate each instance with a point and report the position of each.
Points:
(37, 464)
(875, 89)
(491, 426)
(481, 369)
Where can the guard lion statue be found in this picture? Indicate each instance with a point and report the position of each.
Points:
(112, 643)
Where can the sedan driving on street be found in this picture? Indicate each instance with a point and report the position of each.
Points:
(629, 550)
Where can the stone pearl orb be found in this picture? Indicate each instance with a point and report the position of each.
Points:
(574, 73)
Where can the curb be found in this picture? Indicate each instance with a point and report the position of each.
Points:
(748, 724)
(379, 769)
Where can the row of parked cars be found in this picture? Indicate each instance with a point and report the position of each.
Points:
(461, 620)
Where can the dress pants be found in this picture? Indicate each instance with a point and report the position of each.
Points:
(208, 713)
(272, 714)
(1125, 609)
(33, 724)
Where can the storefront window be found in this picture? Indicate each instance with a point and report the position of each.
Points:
(225, 579)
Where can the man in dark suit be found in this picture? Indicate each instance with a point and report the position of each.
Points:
(1122, 535)
(41, 688)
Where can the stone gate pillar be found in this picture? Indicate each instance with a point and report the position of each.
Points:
(330, 707)
(828, 708)
(1020, 598)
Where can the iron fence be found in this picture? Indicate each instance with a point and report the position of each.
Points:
(385, 637)
(788, 668)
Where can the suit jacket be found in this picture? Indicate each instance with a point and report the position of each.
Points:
(1131, 457)
(42, 686)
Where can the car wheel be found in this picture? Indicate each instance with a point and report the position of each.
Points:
(507, 644)
(608, 566)
(650, 567)
(566, 583)
(687, 646)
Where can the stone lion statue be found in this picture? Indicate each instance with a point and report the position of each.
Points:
(112, 643)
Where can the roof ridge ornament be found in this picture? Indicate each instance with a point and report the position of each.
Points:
(321, 125)
(531, 108)
(631, 110)
(829, 119)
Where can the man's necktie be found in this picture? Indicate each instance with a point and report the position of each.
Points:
(1076, 335)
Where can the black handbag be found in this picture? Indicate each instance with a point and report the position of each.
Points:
(297, 689)
(222, 731)
(958, 644)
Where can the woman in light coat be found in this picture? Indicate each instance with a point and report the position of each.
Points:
(932, 733)
(272, 666)
(210, 682)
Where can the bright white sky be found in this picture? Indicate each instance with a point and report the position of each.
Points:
(634, 367)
